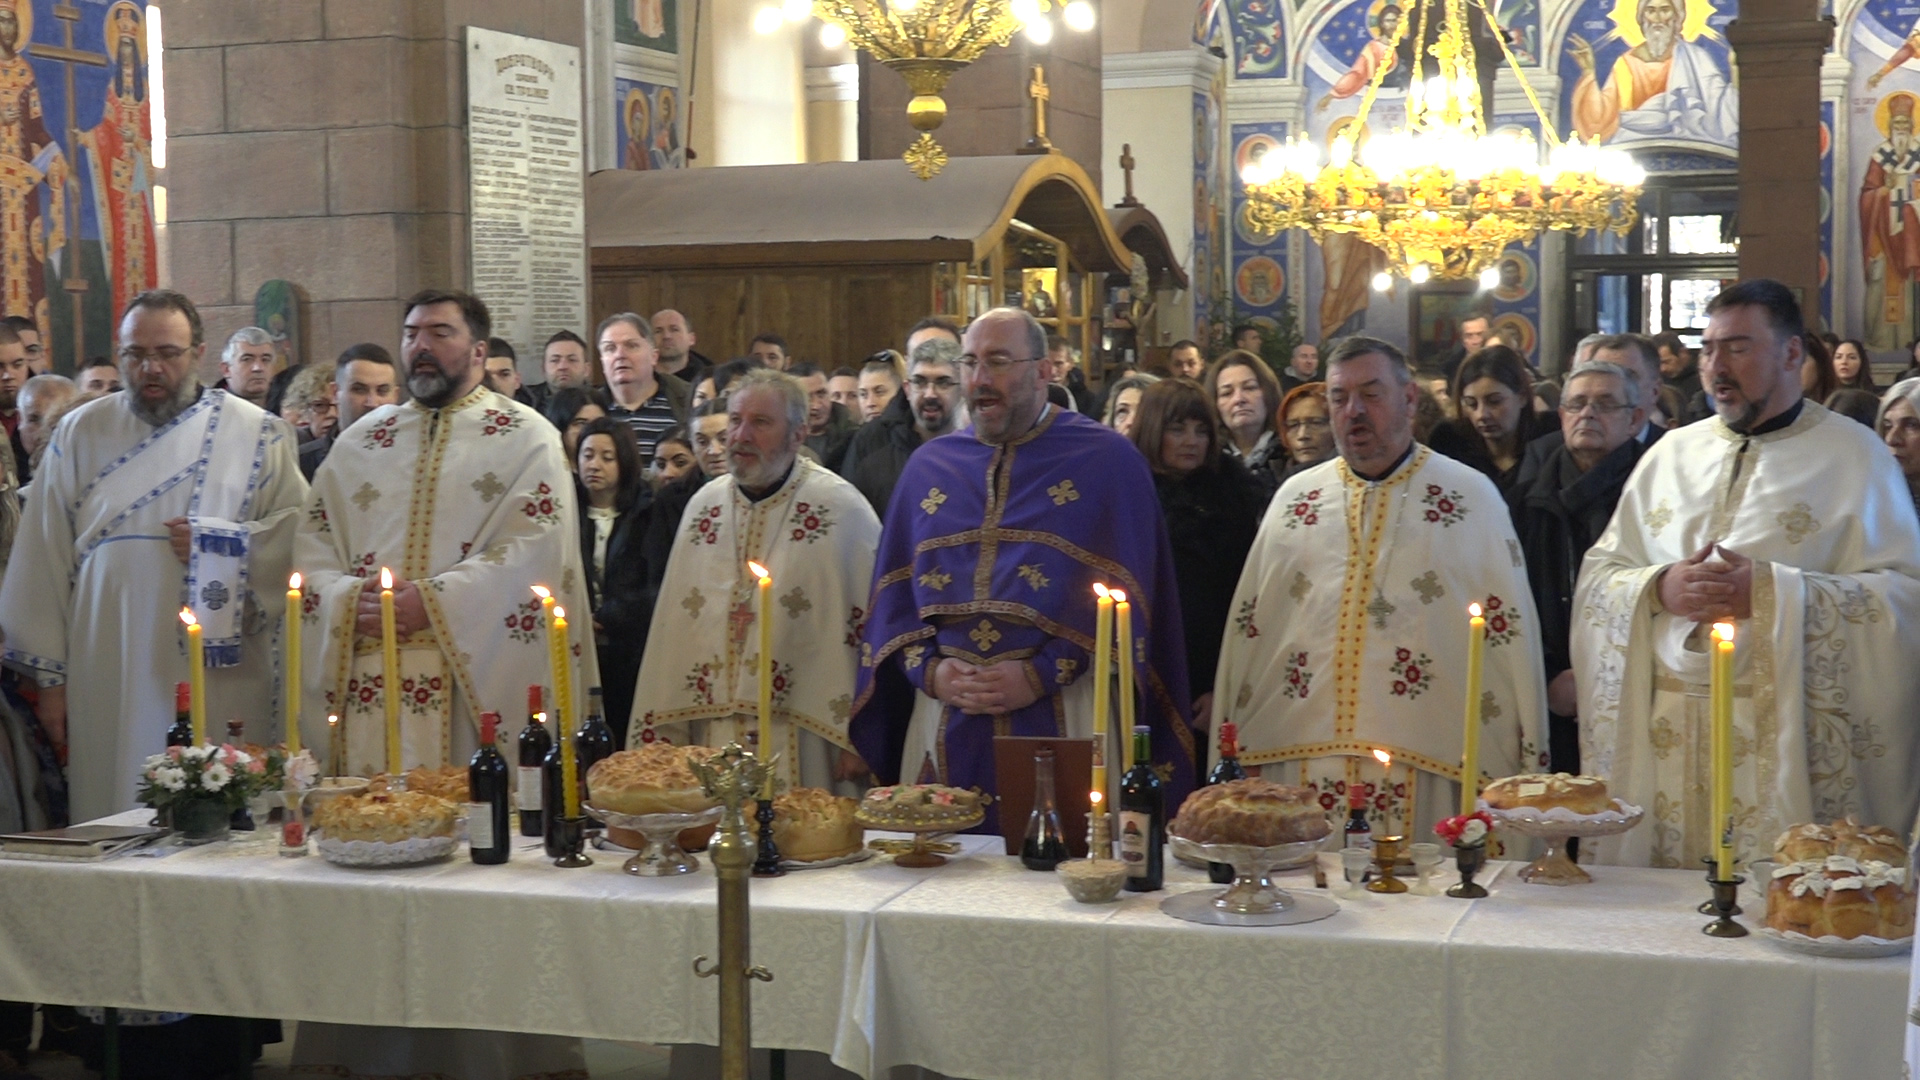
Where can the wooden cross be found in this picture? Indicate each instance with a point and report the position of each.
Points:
(1040, 92)
(1126, 166)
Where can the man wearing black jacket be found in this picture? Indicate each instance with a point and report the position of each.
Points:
(929, 406)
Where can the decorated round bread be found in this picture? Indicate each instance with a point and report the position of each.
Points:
(1841, 896)
(1254, 812)
(810, 824)
(1549, 791)
(388, 817)
(919, 805)
(449, 783)
(655, 779)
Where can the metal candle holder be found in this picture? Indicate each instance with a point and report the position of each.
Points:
(570, 840)
(734, 777)
(1386, 852)
(767, 862)
(1724, 908)
(1707, 906)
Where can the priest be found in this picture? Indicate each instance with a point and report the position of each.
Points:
(982, 619)
(1793, 524)
(166, 490)
(1350, 625)
(815, 535)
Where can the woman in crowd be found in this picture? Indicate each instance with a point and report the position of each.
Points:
(572, 408)
(1817, 378)
(1852, 370)
(1123, 405)
(616, 507)
(1212, 506)
(1900, 427)
(1306, 427)
(1495, 394)
(672, 457)
(713, 385)
(1245, 398)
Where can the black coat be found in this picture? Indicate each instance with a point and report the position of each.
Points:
(879, 452)
(1212, 517)
(1457, 440)
(622, 602)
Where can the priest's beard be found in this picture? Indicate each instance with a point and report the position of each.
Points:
(162, 411)
(429, 383)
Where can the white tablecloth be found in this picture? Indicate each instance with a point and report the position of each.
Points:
(977, 969)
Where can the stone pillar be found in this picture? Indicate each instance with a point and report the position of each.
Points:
(1778, 45)
(751, 105)
(324, 141)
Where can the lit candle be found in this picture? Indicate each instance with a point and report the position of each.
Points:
(1470, 754)
(1123, 616)
(563, 694)
(763, 618)
(390, 673)
(1721, 703)
(1386, 785)
(1095, 798)
(196, 677)
(335, 763)
(1102, 681)
(556, 654)
(294, 597)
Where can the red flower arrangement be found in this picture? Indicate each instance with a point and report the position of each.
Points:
(1465, 830)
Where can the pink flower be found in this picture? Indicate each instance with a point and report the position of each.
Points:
(256, 766)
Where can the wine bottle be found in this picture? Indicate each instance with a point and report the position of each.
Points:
(1225, 769)
(489, 831)
(1045, 846)
(594, 739)
(1143, 818)
(242, 820)
(1359, 833)
(181, 733)
(533, 744)
(552, 787)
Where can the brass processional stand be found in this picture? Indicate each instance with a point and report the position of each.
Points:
(736, 778)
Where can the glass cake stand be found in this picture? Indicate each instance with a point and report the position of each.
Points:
(1555, 827)
(663, 856)
(1253, 899)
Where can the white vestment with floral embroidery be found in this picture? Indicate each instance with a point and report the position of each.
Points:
(1825, 686)
(1349, 634)
(817, 537)
(474, 503)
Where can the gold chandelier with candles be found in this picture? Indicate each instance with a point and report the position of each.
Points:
(1442, 197)
(926, 41)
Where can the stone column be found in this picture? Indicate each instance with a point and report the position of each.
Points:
(324, 142)
(751, 105)
(1778, 45)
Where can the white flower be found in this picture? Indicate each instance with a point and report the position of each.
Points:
(170, 777)
(215, 777)
(195, 753)
(302, 770)
(155, 762)
(1473, 832)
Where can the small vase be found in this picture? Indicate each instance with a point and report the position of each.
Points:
(1469, 859)
(202, 821)
(293, 823)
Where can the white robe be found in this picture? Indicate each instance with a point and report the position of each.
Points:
(817, 536)
(1824, 678)
(93, 592)
(474, 503)
(1316, 682)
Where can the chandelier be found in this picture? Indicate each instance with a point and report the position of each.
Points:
(1443, 197)
(926, 41)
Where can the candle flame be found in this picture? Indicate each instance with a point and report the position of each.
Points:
(541, 592)
(186, 616)
(559, 614)
(1385, 759)
(1473, 610)
(1094, 797)
(386, 578)
(293, 583)
(1119, 595)
(540, 716)
(759, 571)
(1723, 631)
(1100, 591)
(332, 719)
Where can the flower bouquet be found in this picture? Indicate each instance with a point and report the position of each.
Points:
(1468, 834)
(199, 787)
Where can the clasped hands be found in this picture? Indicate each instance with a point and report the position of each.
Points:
(977, 689)
(409, 611)
(1706, 588)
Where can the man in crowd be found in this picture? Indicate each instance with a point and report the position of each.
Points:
(1003, 533)
(880, 379)
(1795, 525)
(843, 389)
(1632, 353)
(1346, 630)
(649, 401)
(1302, 368)
(13, 375)
(503, 371)
(98, 376)
(1472, 338)
(817, 537)
(1247, 337)
(246, 366)
(101, 562)
(931, 327)
(1062, 371)
(1186, 360)
(1677, 366)
(365, 377)
(830, 427)
(38, 360)
(930, 408)
(564, 362)
(1562, 510)
(769, 350)
(673, 339)
(462, 563)
(37, 401)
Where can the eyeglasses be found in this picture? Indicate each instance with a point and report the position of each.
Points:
(922, 383)
(995, 365)
(1603, 407)
(1307, 422)
(166, 354)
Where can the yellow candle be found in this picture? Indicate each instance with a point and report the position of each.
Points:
(1470, 747)
(196, 677)
(1721, 701)
(1123, 616)
(763, 618)
(335, 762)
(390, 673)
(1386, 785)
(557, 665)
(563, 693)
(1102, 682)
(294, 598)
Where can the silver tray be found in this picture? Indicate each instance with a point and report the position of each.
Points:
(663, 856)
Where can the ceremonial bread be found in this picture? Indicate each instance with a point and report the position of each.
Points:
(1842, 880)
(810, 824)
(655, 779)
(387, 817)
(1254, 812)
(915, 805)
(449, 783)
(1542, 791)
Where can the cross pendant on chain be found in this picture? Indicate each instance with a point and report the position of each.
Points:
(1380, 609)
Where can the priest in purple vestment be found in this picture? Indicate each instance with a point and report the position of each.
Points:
(982, 619)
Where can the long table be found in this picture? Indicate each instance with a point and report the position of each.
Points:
(978, 969)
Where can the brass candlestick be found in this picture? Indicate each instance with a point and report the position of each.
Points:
(1707, 906)
(1386, 852)
(734, 777)
(766, 861)
(1725, 890)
